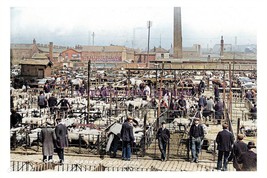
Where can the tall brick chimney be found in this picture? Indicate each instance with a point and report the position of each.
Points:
(177, 34)
(51, 50)
(222, 47)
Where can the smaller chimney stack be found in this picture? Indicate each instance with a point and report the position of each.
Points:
(51, 50)
(222, 47)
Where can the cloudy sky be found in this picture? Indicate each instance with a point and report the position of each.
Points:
(126, 24)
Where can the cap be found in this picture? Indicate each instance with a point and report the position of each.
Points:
(196, 119)
(251, 145)
(240, 136)
(129, 117)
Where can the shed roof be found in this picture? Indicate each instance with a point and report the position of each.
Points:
(35, 62)
(44, 55)
(21, 46)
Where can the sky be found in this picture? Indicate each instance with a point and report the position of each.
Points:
(127, 24)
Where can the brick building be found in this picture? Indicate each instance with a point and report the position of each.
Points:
(107, 54)
(71, 55)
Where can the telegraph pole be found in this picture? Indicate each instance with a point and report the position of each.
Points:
(149, 24)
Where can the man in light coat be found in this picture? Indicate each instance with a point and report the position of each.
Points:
(47, 137)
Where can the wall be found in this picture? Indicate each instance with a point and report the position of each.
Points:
(32, 70)
(70, 55)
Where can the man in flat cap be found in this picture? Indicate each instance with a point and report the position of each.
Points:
(127, 137)
(249, 158)
(196, 135)
(239, 147)
(61, 133)
(163, 136)
(224, 140)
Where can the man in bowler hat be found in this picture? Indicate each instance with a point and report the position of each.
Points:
(249, 158)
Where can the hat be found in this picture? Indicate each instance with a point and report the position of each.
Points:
(251, 145)
(129, 117)
(196, 119)
(225, 126)
(58, 119)
(240, 136)
(163, 122)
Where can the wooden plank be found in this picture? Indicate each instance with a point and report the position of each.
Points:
(149, 164)
(167, 166)
(191, 166)
(145, 163)
(174, 165)
(196, 167)
(199, 167)
(183, 166)
(179, 166)
(156, 163)
(187, 166)
(161, 165)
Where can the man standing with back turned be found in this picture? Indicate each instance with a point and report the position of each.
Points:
(61, 140)
(224, 140)
(127, 138)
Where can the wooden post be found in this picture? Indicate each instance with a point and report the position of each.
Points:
(224, 108)
(144, 148)
(128, 82)
(238, 126)
(88, 91)
(160, 93)
(230, 93)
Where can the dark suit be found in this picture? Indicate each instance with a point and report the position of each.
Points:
(196, 135)
(238, 148)
(224, 140)
(248, 161)
(219, 111)
(61, 140)
(163, 135)
(52, 102)
(127, 138)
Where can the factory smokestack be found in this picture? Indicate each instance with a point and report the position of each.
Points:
(177, 34)
(51, 50)
(222, 47)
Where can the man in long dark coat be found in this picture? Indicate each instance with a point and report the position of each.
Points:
(47, 138)
(224, 140)
(249, 159)
(61, 132)
(163, 136)
(238, 148)
(127, 137)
